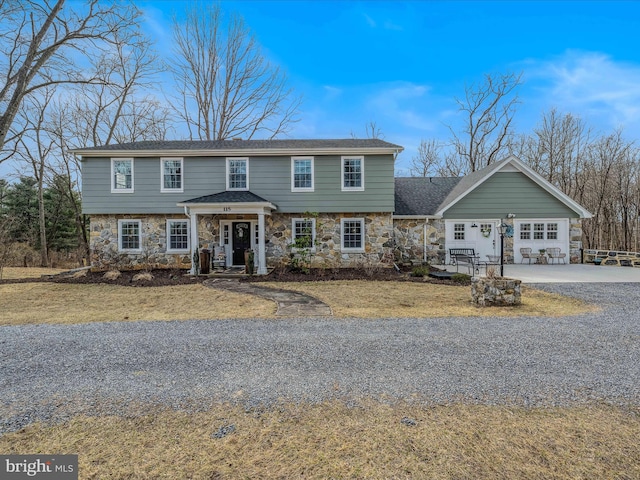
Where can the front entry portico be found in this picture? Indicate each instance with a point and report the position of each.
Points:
(236, 234)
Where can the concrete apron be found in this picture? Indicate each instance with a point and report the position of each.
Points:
(573, 273)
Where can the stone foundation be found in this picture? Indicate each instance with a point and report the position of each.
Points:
(495, 291)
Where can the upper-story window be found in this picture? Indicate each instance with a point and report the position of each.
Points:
(352, 173)
(171, 175)
(122, 175)
(237, 174)
(302, 174)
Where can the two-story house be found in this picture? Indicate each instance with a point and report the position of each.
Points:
(156, 202)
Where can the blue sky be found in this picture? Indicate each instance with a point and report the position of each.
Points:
(400, 64)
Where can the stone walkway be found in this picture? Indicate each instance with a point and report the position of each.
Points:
(289, 303)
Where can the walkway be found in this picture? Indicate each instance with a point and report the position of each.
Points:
(289, 303)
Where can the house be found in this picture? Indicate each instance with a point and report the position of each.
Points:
(433, 215)
(157, 202)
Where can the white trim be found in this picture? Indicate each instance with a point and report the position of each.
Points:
(230, 159)
(253, 224)
(312, 248)
(113, 183)
(313, 176)
(129, 250)
(168, 229)
(163, 189)
(231, 208)
(352, 189)
(362, 232)
(508, 164)
(253, 152)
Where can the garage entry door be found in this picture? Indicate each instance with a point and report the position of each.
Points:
(539, 234)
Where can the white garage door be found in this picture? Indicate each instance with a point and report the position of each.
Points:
(539, 234)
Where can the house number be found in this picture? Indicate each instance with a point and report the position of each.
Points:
(226, 209)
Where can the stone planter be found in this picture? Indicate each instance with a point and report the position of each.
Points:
(497, 291)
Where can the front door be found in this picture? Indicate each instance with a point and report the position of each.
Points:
(487, 240)
(241, 241)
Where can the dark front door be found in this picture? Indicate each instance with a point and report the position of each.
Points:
(241, 241)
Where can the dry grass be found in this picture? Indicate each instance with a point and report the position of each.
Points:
(331, 440)
(30, 303)
(12, 273)
(408, 299)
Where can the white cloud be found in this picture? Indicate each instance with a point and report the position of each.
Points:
(595, 85)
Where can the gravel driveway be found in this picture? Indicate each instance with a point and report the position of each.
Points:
(50, 371)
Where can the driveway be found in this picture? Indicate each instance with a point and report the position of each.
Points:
(55, 371)
(570, 273)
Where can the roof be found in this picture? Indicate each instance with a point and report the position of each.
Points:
(228, 197)
(418, 196)
(243, 147)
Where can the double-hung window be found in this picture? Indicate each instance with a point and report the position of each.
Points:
(171, 175)
(303, 232)
(237, 174)
(352, 234)
(302, 174)
(129, 235)
(352, 174)
(122, 175)
(177, 236)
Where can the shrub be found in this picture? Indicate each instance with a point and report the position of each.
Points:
(461, 278)
(420, 271)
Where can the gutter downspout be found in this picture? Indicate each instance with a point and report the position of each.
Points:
(194, 238)
(424, 242)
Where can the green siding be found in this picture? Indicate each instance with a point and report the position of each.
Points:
(269, 177)
(509, 192)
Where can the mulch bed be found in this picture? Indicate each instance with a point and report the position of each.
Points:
(166, 277)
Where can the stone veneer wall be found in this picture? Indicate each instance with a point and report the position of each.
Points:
(378, 240)
(409, 240)
(575, 240)
(104, 244)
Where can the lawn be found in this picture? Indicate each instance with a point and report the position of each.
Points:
(335, 439)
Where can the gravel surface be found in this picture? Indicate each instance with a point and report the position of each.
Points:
(50, 372)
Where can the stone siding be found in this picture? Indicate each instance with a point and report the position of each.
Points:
(409, 245)
(377, 249)
(104, 244)
(495, 291)
(575, 240)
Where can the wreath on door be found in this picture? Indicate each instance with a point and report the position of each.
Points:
(486, 231)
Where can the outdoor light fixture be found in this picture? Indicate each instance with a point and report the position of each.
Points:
(502, 229)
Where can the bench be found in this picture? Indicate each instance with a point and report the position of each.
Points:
(465, 256)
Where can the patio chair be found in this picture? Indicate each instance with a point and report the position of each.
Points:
(529, 255)
(219, 258)
(555, 253)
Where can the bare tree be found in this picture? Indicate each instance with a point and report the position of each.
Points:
(226, 87)
(488, 111)
(428, 159)
(39, 40)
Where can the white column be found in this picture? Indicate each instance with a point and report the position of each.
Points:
(262, 255)
(194, 240)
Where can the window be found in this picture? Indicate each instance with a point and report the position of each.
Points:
(237, 174)
(122, 175)
(302, 174)
(458, 231)
(171, 175)
(538, 231)
(177, 235)
(552, 231)
(303, 232)
(352, 234)
(352, 173)
(129, 235)
(525, 231)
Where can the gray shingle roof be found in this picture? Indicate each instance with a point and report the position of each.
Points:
(422, 195)
(247, 144)
(229, 197)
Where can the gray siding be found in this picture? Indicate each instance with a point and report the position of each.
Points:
(509, 192)
(269, 177)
